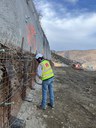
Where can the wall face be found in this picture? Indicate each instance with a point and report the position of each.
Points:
(19, 19)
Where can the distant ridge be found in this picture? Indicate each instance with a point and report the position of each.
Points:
(79, 55)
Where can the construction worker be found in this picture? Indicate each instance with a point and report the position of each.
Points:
(45, 73)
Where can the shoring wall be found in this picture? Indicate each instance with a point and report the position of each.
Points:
(21, 37)
(20, 20)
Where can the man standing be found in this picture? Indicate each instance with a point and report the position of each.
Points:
(45, 73)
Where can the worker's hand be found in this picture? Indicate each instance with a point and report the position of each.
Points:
(38, 80)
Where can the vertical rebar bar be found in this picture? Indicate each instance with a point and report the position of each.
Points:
(25, 77)
(22, 44)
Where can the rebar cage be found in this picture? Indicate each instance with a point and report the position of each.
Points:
(17, 72)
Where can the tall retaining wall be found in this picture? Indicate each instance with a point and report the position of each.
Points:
(19, 21)
(21, 37)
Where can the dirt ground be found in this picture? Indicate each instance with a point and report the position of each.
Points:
(75, 102)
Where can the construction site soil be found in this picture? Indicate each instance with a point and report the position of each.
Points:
(75, 101)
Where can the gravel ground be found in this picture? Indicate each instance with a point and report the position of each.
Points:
(29, 112)
(75, 102)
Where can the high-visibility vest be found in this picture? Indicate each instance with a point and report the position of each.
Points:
(47, 71)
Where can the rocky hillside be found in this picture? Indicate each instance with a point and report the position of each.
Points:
(60, 59)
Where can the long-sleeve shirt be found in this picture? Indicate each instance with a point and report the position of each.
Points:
(39, 70)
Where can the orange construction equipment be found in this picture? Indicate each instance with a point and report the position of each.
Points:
(77, 66)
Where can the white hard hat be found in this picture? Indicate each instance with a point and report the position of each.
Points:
(38, 55)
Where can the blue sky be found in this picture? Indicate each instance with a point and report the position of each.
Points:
(69, 24)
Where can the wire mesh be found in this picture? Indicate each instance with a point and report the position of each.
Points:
(17, 72)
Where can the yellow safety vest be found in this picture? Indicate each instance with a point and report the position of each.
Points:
(47, 71)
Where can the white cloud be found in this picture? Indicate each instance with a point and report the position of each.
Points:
(68, 32)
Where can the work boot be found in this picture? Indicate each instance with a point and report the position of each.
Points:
(52, 106)
(40, 107)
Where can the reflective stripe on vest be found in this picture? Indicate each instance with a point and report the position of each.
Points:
(47, 71)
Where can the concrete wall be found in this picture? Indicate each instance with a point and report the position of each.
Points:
(18, 19)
